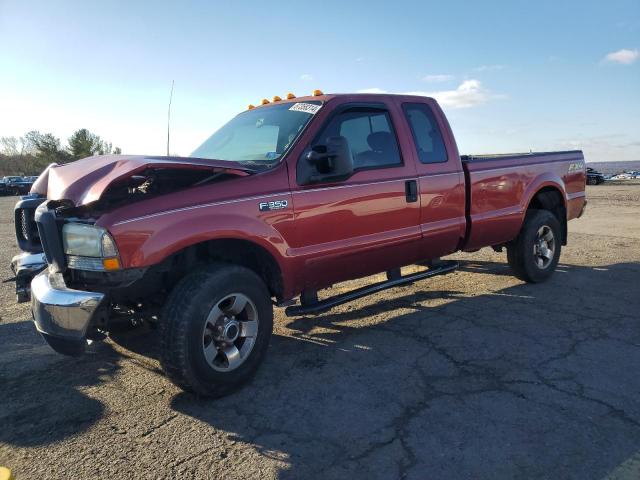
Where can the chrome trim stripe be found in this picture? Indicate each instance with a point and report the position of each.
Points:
(351, 185)
(430, 228)
(431, 175)
(503, 212)
(574, 195)
(195, 207)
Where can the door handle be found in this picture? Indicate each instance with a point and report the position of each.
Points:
(411, 190)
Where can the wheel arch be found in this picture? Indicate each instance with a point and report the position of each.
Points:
(549, 196)
(236, 251)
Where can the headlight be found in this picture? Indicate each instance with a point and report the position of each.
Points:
(89, 247)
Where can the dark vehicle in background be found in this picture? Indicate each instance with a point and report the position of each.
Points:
(594, 177)
(4, 188)
(16, 185)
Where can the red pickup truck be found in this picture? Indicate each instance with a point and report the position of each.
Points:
(287, 198)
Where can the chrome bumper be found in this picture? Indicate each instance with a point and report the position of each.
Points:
(62, 315)
(25, 266)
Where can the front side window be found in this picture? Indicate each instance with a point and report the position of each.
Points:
(426, 133)
(370, 134)
(261, 135)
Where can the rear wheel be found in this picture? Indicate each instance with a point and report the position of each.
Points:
(534, 254)
(215, 329)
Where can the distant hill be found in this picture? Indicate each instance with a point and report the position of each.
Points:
(615, 167)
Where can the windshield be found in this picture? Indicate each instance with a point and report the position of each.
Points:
(261, 135)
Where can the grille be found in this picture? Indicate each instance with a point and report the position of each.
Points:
(25, 224)
(26, 228)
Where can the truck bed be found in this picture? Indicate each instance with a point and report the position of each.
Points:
(500, 186)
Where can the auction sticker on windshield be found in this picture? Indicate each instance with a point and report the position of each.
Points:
(305, 107)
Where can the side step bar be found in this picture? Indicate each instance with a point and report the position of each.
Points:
(329, 303)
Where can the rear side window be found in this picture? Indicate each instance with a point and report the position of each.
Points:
(426, 133)
(370, 134)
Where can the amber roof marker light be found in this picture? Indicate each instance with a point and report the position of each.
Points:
(317, 93)
(264, 101)
(290, 96)
(276, 98)
(250, 107)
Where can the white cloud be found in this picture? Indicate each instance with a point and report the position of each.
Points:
(469, 93)
(372, 90)
(624, 56)
(489, 68)
(437, 78)
(306, 76)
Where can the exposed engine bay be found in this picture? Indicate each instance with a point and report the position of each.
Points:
(146, 184)
(158, 181)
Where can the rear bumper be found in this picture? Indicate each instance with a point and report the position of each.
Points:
(584, 207)
(63, 315)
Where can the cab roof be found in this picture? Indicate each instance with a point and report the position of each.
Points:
(325, 97)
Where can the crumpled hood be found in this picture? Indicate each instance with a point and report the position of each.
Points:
(84, 181)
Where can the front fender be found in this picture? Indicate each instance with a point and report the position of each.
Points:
(149, 240)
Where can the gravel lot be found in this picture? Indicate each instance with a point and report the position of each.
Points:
(471, 375)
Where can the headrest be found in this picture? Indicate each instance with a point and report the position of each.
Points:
(380, 141)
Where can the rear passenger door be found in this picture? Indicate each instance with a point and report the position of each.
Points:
(440, 180)
(364, 224)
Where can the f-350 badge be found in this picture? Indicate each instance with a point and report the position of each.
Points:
(274, 205)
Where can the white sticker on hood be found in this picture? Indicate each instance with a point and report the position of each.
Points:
(305, 107)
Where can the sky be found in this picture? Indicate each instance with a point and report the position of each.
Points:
(511, 75)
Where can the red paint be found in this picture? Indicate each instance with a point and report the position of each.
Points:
(336, 231)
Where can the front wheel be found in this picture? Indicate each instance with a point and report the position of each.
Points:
(215, 329)
(534, 254)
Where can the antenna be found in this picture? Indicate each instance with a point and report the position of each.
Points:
(169, 116)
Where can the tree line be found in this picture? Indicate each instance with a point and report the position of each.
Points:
(31, 153)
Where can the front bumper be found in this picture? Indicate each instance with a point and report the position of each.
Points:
(63, 315)
(25, 266)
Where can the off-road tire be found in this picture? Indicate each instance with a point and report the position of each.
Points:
(183, 319)
(520, 251)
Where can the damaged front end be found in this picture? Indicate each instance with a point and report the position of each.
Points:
(90, 187)
(71, 266)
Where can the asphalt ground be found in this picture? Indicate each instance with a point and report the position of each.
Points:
(470, 375)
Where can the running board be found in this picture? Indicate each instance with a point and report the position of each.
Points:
(329, 303)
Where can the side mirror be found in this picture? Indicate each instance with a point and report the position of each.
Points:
(331, 162)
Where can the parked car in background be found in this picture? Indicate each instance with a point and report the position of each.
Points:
(12, 185)
(4, 188)
(16, 185)
(594, 177)
(625, 176)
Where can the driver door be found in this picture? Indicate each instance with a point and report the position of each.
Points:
(367, 223)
